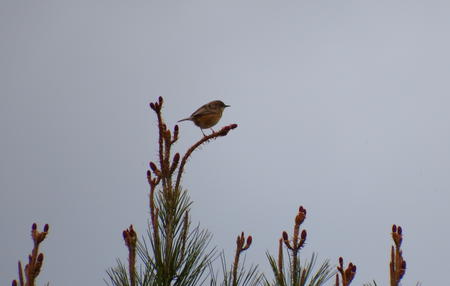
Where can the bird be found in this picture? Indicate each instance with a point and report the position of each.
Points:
(207, 115)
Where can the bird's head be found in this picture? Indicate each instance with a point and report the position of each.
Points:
(219, 104)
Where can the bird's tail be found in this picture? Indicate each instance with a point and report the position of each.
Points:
(185, 119)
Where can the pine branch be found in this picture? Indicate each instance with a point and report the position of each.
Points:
(176, 253)
(297, 274)
(35, 259)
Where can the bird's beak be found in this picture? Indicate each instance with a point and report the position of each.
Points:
(227, 105)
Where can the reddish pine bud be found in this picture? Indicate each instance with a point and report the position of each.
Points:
(152, 106)
(341, 261)
(224, 131)
(176, 128)
(149, 174)
(285, 235)
(125, 234)
(14, 283)
(298, 219)
(353, 268)
(40, 257)
(403, 264)
(176, 159)
(303, 235)
(46, 228)
(153, 166)
(160, 99)
(399, 230)
(34, 226)
(249, 240)
(394, 228)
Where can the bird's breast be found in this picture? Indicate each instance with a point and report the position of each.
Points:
(207, 120)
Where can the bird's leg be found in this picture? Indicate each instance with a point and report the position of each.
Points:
(212, 130)
(203, 132)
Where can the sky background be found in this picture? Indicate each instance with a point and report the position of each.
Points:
(342, 107)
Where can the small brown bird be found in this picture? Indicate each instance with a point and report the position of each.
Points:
(208, 115)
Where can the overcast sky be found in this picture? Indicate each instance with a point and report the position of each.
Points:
(342, 107)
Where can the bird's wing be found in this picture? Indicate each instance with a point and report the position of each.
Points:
(203, 110)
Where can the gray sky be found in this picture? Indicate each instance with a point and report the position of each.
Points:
(342, 107)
